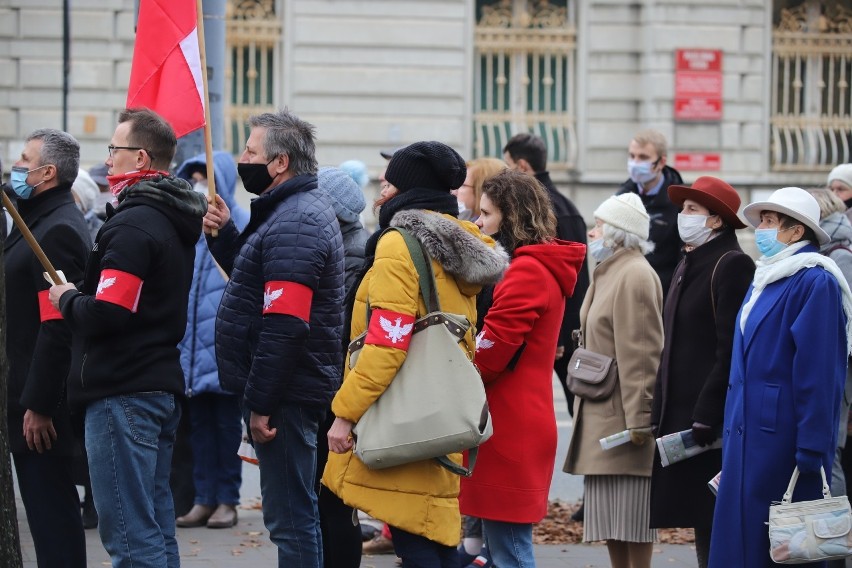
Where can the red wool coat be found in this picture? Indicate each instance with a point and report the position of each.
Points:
(512, 477)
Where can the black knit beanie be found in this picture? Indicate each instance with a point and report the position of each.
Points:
(426, 165)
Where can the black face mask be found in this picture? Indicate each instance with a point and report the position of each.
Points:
(256, 178)
(848, 203)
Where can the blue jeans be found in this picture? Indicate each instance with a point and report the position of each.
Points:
(510, 544)
(129, 441)
(419, 552)
(216, 432)
(287, 466)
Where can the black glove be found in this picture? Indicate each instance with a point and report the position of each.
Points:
(703, 434)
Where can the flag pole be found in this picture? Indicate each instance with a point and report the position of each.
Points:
(28, 236)
(208, 132)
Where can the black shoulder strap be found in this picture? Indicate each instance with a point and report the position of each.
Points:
(713, 279)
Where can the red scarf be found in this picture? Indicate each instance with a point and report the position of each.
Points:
(118, 183)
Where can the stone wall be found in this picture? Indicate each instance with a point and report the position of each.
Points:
(31, 71)
(381, 74)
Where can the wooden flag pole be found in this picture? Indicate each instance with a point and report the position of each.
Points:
(28, 236)
(208, 133)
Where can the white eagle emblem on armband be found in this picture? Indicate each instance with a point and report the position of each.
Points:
(396, 332)
(270, 296)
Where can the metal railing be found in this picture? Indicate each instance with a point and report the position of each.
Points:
(811, 123)
(524, 77)
(253, 35)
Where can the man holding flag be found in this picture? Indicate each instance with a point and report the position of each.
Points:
(127, 320)
(38, 346)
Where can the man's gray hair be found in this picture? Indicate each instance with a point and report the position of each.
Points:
(60, 149)
(616, 238)
(287, 134)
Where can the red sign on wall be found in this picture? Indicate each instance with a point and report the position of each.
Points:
(697, 161)
(698, 84)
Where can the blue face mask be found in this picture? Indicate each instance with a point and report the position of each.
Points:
(767, 242)
(641, 172)
(20, 186)
(598, 250)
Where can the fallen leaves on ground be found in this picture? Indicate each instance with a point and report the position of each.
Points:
(558, 528)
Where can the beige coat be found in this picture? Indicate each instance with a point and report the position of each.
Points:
(621, 317)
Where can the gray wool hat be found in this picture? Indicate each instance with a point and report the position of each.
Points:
(346, 196)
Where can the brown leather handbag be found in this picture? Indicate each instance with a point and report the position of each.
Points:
(591, 376)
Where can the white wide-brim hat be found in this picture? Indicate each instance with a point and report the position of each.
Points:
(794, 202)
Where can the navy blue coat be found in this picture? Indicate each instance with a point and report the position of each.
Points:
(292, 236)
(198, 349)
(787, 375)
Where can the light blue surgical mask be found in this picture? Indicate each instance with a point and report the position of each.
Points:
(767, 242)
(598, 250)
(641, 172)
(19, 177)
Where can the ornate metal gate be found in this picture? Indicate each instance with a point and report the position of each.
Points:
(524, 78)
(811, 123)
(253, 35)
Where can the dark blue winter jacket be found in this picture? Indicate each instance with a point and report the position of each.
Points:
(293, 238)
(198, 350)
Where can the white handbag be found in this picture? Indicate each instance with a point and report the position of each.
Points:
(810, 531)
(436, 403)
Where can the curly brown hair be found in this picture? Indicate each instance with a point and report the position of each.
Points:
(525, 206)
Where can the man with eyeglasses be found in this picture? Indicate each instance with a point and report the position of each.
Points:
(38, 345)
(650, 178)
(127, 319)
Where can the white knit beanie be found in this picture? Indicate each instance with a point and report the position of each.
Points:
(625, 212)
(842, 173)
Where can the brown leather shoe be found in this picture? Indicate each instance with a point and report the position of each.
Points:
(197, 517)
(378, 545)
(224, 517)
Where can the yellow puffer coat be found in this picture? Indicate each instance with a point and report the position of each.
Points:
(420, 497)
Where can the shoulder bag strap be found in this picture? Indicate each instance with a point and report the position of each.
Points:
(425, 277)
(713, 279)
(423, 265)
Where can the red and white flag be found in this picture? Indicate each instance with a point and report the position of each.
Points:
(166, 71)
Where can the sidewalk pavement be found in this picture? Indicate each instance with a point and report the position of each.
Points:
(247, 546)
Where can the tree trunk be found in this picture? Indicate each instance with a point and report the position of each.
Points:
(10, 543)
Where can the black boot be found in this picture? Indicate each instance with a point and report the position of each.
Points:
(579, 514)
(90, 515)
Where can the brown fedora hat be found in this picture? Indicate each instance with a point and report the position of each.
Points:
(712, 193)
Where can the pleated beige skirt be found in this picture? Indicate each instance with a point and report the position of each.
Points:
(617, 507)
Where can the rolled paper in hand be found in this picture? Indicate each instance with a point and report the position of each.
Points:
(615, 440)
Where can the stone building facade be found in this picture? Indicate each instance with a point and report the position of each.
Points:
(377, 74)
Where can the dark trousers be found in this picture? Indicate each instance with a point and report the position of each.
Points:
(217, 471)
(561, 368)
(419, 552)
(341, 537)
(53, 509)
(180, 478)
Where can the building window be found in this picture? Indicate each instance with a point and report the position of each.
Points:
(525, 76)
(253, 35)
(811, 122)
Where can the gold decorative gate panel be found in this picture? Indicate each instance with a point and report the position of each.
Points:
(524, 77)
(811, 123)
(253, 34)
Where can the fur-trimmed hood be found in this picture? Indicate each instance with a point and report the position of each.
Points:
(456, 245)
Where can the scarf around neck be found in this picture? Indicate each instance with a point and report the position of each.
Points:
(787, 263)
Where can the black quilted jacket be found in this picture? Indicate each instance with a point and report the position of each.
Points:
(293, 236)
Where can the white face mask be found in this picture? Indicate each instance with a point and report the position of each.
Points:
(598, 250)
(693, 229)
(200, 187)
